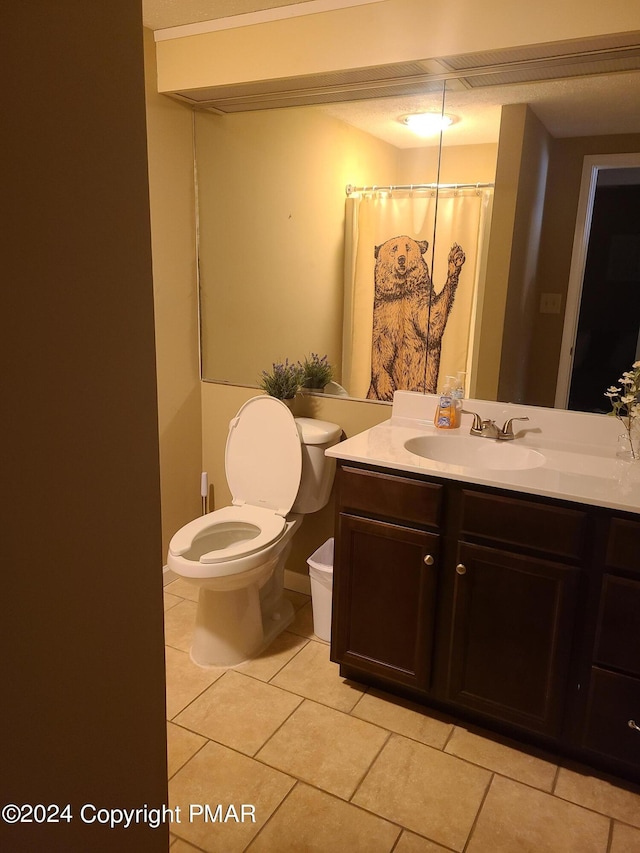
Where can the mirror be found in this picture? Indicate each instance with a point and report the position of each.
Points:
(271, 188)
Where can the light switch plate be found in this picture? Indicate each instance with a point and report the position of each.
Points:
(550, 303)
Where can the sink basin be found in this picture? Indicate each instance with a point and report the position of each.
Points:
(475, 452)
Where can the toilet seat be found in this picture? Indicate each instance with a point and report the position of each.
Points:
(260, 526)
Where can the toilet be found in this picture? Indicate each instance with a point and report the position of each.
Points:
(277, 472)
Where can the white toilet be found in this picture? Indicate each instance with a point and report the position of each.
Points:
(277, 471)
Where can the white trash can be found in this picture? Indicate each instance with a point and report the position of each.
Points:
(321, 575)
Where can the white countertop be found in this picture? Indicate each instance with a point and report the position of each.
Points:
(580, 450)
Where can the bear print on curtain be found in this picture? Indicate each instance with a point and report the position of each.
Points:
(409, 317)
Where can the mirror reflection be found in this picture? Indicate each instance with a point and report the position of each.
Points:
(282, 272)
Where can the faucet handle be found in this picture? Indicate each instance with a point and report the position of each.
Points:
(476, 426)
(507, 430)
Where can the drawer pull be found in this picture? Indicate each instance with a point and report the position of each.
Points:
(633, 725)
(428, 560)
(461, 569)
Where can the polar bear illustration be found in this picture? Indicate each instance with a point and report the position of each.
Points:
(409, 318)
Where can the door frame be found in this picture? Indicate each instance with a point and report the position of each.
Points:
(592, 164)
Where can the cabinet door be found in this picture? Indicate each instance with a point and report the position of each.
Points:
(612, 726)
(384, 600)
(511, 633)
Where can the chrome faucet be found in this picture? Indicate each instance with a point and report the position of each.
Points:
(506, 433)
(489, 429)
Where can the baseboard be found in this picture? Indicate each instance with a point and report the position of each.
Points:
(292, 580)
(297, 582)
(168, 575)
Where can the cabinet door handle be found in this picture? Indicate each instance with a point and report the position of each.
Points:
(428, 560)
(461, 569)
(633, 725)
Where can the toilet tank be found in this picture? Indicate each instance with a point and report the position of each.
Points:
(318, 470)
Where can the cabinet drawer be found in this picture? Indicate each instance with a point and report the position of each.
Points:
(556, 530)
(387, 496)
(623, 550)
(617, 643)
(613, 711)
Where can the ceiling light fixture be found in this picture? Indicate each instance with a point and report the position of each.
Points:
(428, 124)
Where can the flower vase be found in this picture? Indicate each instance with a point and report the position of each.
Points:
(628, 448)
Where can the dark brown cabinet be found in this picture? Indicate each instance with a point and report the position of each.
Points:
(519, 613)
(612, 714)
(511, 631)
(387, 593)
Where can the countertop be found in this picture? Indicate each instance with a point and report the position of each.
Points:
(580, 465)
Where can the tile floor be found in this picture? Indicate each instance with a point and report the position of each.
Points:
(330, 765)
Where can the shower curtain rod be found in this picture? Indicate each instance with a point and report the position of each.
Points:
(350, 189)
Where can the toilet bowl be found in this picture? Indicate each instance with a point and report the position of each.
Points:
(277, 472)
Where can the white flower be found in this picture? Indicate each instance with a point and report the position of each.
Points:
(612, 390)
(628, 398)
(635, 365)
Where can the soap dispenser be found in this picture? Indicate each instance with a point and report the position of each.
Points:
(457, 393)
(445, 417)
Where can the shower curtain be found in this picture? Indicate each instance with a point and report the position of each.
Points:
(377, 298)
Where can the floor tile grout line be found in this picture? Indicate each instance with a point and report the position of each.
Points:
(394, 822)
(593, 810)
(275, 732)
(478, 812)
(296, 782)
(349, 714)
(371, 764)
(271, 677)
(364, 691)
(190, 843)
(363, 808)
(389, 732)
(448, 738)
(610, 838)
(193, 755)
(358, 701)
(195, 699)
(288, 690)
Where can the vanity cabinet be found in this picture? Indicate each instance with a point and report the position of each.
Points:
(612, 718)
(519, 613)
(388, 552)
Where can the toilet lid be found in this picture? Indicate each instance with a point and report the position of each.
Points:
(263, 457)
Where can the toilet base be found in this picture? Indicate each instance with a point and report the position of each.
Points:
(232, 627)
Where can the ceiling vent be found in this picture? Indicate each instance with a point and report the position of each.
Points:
(535, 63)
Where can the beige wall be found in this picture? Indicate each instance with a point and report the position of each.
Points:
(509, 162)
(82, 711)
(173, 242)
(523, 301)
(272, 200)
(460, 164)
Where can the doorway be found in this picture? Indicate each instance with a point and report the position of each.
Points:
(602, 320)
